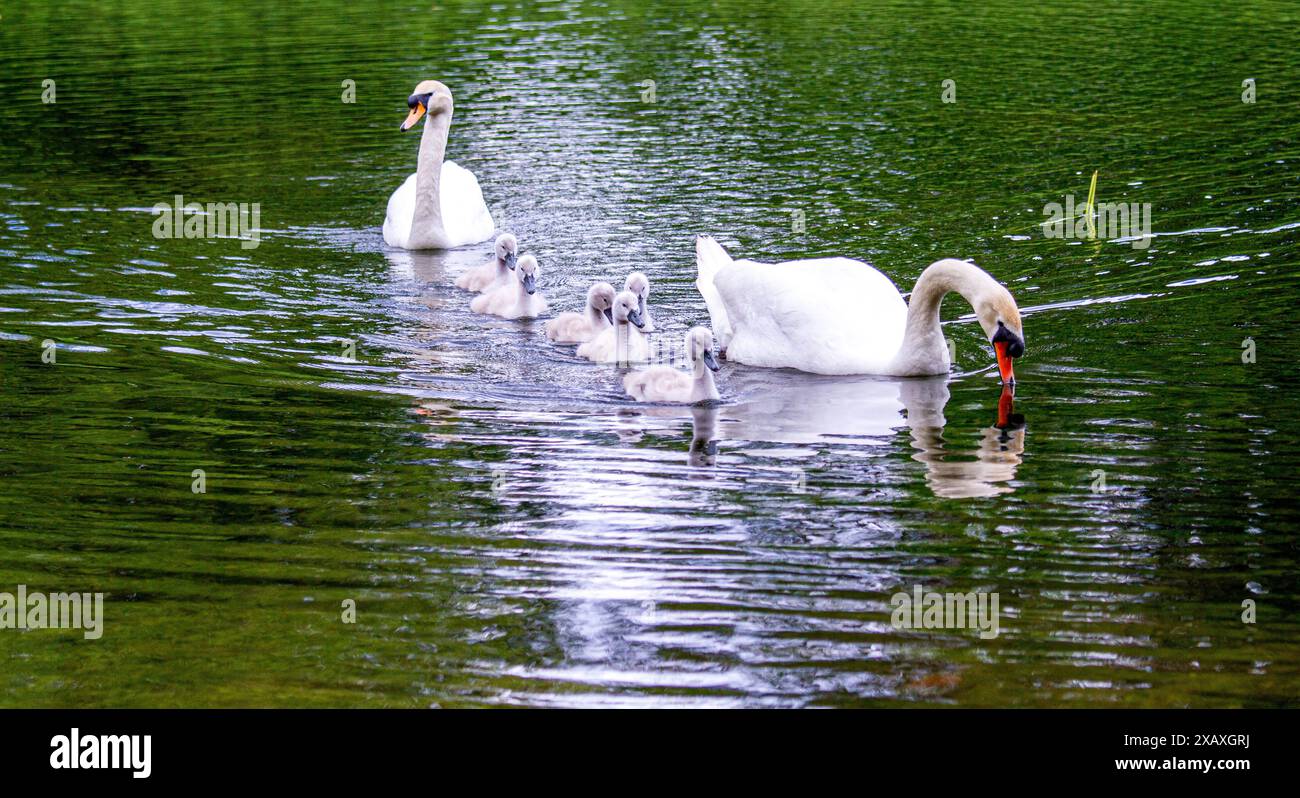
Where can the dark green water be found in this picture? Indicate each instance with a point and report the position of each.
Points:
(512, 530)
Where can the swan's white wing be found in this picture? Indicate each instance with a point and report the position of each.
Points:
(465, 216)
(401, 210)
(827, 316)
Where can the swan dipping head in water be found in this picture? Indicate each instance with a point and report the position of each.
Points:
(924, 349)
(842, 316)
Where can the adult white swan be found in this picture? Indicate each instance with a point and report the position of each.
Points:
(841, 316)
(440, 206)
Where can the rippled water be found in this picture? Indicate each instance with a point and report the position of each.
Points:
(514, 531)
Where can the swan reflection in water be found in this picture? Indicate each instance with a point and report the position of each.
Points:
(418, 274)
(704, 435)
(996, 459)
(810, 411)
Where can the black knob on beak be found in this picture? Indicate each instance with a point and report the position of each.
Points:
(1015, 344)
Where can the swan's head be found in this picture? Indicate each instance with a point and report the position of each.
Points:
(993, 305)
(600, 298)
(638, 284)
(528, 272)
(429, 96)
(626, 309)
(507, 249)
(998, 315)
(699, 342)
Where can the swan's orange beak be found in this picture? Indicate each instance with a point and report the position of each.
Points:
(1008, 345)
(1004, 362)
(417, 111)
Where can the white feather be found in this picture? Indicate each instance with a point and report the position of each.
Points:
(465, 215)
(826, 316)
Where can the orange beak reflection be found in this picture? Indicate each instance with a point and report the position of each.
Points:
(414, 116)
(1004, 363)
(1006, 406)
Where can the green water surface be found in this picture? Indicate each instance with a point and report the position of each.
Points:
(512, 530)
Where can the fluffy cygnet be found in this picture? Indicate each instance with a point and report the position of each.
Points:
(639, 284)
(667, 384)
(494, 272)
(623, 342)
(578, 328)
(519, 299)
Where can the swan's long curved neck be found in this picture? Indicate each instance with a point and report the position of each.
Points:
(426, 225)
(924, 349)
(596, 318)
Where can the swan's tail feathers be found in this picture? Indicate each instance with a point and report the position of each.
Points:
(711, 258)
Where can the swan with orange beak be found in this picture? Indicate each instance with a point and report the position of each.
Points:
(809, 314)
(440, 206)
